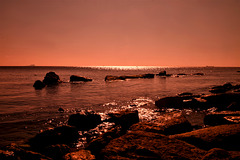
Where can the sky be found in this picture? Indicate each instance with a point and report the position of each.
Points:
(120, 32)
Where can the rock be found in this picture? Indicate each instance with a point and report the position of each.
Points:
(110, 78)
(162, 73)
(185, 94)
(38, 84)
(198, 74)
(51, 78)
(80, 155)
(124, 118)
(84, 121)
(58, 135)
(221, 89)
(78, 78)
(223, 101)
(60, 110)
(238, 71)
(7, 155)
(147, 145)
(223, 117)
(57, 151)
(18, 153)
(96, 145)
(168, 124)
(181, 74)
(217, 154)
(223, 136)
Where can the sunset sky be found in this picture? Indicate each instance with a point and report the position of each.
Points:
(120, 32)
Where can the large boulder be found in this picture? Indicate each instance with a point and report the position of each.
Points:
(78, 78)
(223, 117)
(51, 78)
(85, 120)
(168, 124)
(124, 118)
(148, 145)
(38, 84)
(58, 135)
(223, 136)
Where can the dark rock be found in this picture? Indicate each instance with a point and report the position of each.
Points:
(22, 154)
(38, 84)
(96, 145)
(223, 136)
(147, 145)
(181, 74)
(185, 94)
(198, 74)
(110, 78)
(58, 135)
(223, 101)
(217, 154)
(60, 110)
(220, 118)
(51, 78)
(162, 73)
(80, 155)
(124, 118)
(84, 121)
(168, 124)
(221, 89)
(57, 151)
(238, 71)
(78, 78)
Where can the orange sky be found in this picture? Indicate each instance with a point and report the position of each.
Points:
(120, 32)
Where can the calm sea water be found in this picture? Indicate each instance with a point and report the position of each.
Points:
(24, 111)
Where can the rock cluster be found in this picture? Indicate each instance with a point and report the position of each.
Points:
(110, 77)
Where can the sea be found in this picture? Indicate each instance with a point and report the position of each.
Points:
(24, 111)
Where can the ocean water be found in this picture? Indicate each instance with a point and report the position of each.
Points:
(25, 111)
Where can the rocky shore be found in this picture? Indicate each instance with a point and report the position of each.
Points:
(173, 135)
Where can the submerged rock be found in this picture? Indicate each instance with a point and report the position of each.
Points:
(223, 136)
(147, 145)
(78, 78)
(198, 74)
(58, 135)
(124, 118)
(84, 121)
(51, 78)
(110, 77)
(38, 84)
(221, 89)
(57, 151)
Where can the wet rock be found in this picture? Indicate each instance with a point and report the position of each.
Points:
(60, 110)
(170, 123)
(223, 117)
(78, 78)
(185, 94)
(38, 84)
(198, 74)
(162, 73)
(7, 155)
(223, 136)
(22, 154)
(124, 118)
(221, 89)
(110, 78)
(58, 135)
(181, 74)
(80, 155)
(84, 121)
(222, 101)
(51, 78)
(147, 145)
(96, 145)
(57, 151)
